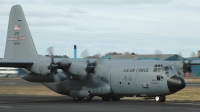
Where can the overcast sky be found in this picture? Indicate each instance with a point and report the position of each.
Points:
(102, 26)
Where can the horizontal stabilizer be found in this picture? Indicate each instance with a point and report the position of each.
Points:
(15, 63)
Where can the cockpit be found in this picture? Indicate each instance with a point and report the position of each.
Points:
(168, 69)
(160, 68)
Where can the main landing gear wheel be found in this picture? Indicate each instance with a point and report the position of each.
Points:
(114, 98)
(88, 99)
(160, 98)
(77, 99)
(105, 98)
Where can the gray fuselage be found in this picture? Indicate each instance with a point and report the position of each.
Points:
(121, 78)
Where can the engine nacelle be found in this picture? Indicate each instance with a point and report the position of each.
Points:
(40, 68)
(58, 77)
(78, 68)
(80, 93)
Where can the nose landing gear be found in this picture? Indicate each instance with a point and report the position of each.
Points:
(160, 98)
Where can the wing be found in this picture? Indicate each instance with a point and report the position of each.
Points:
(15, 63)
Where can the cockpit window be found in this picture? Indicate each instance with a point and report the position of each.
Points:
(162, 68)
(155, 70)
(158, 68)
(166, 68)
(171, 68)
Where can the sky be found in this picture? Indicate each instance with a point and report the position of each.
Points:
(102, 26)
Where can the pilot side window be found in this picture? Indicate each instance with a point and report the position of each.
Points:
(171, 68)
(166, 68)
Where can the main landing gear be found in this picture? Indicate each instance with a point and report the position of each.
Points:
(160, 98)
(107, 98)
(80, 99)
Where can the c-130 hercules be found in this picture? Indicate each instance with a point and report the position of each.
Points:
(86, 78)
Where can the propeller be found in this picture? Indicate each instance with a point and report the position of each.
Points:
(53, 66)
(187, 63)
(91, 63)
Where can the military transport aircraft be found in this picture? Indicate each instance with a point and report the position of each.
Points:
(86, 78)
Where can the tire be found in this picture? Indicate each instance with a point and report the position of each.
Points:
(105, 98)
(163, 98)
(88, 99)
(114, 98)
(77, 99)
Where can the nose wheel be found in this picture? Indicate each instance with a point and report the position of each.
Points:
(160, 98)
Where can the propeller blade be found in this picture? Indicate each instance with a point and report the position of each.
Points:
(192, 56)
(180, 57)
(52, 67)
(85, 53)
(158, 53)
(51, 53)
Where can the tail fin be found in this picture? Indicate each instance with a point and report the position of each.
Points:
(19, 43)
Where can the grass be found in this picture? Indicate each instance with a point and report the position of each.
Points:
(189, 93)
(27, 90)
(192, 80)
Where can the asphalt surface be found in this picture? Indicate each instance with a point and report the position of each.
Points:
(19, 103)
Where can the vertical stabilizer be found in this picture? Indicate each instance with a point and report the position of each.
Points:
(19, 43)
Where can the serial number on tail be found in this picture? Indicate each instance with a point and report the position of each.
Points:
(16, 43)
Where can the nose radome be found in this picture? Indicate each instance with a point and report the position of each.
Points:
(175, 84)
